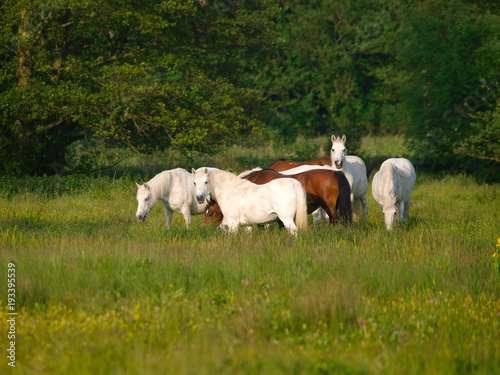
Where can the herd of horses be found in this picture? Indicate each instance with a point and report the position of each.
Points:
(332, 188)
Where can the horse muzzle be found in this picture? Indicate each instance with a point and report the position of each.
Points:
(200, 199)
(141, 218)
(339, 164)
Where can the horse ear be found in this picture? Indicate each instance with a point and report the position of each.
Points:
(343, 138)
(394, 199)
(333, 138)
(146, 185)
(138, 186)
(206, 170)
(193, 171)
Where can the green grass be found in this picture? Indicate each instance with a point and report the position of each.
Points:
(99, 293)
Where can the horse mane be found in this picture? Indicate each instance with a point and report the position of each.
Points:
(400, 178)
(160, 183)
(228, 177)
(395, 175)
(249, 172)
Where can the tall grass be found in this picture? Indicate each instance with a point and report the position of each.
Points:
(98, 292)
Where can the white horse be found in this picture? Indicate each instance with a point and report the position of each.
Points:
(392, 186)
(355, 171)
(176, 191)
(245, 203)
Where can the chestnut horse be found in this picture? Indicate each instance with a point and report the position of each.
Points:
(327, 189)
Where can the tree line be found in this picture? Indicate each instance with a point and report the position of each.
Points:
(198, 75)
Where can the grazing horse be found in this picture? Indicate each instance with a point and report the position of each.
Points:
(175, 189)
(245, 203)
(392, 186)
(327, 189)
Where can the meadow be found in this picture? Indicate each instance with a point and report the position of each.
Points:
(97, 292)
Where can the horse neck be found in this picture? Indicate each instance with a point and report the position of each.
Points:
(220, 182)
(160, 184)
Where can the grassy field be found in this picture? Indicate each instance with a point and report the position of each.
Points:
(99, 293)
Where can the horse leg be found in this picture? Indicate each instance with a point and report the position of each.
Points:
(231, 227)
(407, 209)
(318, 216)
(333, 214)
(329, 207)
(402, 210)
(168, 213)
(292, 229)
(324, 215)
(364, 205)
(186, 212)
(355, 204)
(328, 212)
(289, 225)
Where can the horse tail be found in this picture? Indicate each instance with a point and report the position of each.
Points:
(343, 206)
(301, 213)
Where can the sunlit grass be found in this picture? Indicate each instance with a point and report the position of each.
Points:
(99, 292)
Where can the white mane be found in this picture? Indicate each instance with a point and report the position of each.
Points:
(160, 184)
(228, 179)
(249, 172)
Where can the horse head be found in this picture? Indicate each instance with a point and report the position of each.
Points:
(146, 202)
(201, 184)
(389, 210)
(339, 151)
(213, 213)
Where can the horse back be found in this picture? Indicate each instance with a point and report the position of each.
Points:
(263, 176)
(286, 164)
(405, 168)
(396, 175)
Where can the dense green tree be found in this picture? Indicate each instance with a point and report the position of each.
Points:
(329, 70)
(151, 74)
(450, 52)
(199, 74)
